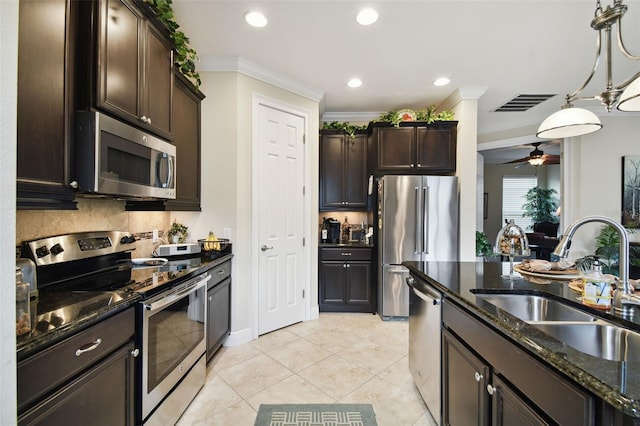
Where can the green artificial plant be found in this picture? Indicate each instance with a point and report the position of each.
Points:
(429, 115)
(347, 127)
(483, 246)
(607, 251)
(185, 55)
(539, 205)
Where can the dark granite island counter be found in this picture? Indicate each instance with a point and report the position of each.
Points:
(616, 383)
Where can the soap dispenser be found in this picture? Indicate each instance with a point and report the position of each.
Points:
(596, 291)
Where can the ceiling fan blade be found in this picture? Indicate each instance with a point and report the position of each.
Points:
(519, 160)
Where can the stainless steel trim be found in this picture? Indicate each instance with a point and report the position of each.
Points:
(425, 360)
(151, 398)
(417, 240)
(425, 220)
(176, 293)
(427, 296)
(170, 410)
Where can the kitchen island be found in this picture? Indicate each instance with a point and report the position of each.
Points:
(610, 390)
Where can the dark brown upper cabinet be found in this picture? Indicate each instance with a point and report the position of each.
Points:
(413, 148)
(43, 141)
(130, 70)
(187, 134)
(343, 171)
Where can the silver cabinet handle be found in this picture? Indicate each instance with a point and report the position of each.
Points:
(478, 377)
(265, 248)
(491, 389)
(346, 253)
(210, 298)
(135, 352)
(88, 348)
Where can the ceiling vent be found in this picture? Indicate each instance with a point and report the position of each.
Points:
(523, 103)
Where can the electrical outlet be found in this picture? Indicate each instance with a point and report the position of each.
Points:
(154, 237)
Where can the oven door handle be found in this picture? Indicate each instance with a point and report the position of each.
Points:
(178, 294)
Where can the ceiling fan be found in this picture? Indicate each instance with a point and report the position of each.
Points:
(537, 157)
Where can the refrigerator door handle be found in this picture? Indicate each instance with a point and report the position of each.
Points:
(417, 238)
(425, 220)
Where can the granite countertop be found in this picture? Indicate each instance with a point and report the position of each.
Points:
(618, 383)
(56, 315)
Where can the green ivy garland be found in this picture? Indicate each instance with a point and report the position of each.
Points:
(186, 56)
(348, 128)
(429, 115)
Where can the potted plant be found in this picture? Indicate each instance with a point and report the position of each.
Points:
(483, 246)
(608, 252)
(540, 205)
(177, 233)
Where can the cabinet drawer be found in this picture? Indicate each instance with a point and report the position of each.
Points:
(219, 273)
(345, 254)
(41, 373)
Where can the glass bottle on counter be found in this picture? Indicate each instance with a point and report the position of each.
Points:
(23, 314)
(345, 230)
(324, 231)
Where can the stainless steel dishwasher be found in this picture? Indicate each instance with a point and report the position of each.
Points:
(425, 364)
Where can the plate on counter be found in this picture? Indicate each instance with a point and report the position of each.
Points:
(568, 274)
(149, 261)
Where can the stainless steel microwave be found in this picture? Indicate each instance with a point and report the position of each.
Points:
(114, 158)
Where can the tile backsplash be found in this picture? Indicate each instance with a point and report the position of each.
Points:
(92, 215)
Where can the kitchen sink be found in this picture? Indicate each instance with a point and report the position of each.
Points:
(535, 308)
(607, 341)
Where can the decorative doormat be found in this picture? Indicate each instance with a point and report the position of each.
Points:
(316, 415)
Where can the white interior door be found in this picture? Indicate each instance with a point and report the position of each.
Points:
(280, 210)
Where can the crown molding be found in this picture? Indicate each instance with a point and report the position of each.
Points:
(251, 69)
(350, 116)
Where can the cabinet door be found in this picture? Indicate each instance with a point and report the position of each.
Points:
(465, 377)
(355, 182)
(104, 395)
(43, 151)
(358, 285)
(509, 409)
(332, 169)
(120, 74)
(218, 316)
(158, 82)
(186, 117)
(332, 283)
(436, 149)
(395, 148)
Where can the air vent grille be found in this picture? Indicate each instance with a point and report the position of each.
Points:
(523, 102)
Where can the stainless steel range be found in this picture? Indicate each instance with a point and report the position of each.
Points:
(80, 273)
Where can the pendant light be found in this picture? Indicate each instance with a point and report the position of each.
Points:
(571, 121)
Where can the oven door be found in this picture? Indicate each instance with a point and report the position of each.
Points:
(173, 338)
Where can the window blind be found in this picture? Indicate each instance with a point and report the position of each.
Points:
(514, 189)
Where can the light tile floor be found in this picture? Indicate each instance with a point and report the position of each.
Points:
(340, 357)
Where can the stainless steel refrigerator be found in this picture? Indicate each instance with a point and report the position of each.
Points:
(417, 220)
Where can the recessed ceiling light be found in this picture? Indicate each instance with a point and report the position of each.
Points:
(255, 19)
(367, 17)
(355, 82)
(442, 81)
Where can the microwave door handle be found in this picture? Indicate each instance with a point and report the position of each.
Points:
(170, 174)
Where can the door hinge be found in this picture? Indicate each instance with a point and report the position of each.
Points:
(303, 241)
(303, 293)
(304, 139)
(304, 190)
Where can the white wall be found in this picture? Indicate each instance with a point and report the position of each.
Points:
(592, 177)
(8, 94)
(227, 176)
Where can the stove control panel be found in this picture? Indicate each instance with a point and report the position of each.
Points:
(81, 245)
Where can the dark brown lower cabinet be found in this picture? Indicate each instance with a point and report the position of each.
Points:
(488, 380)
(218, 308)
(345, 280)
(103, 395)
(86, 379)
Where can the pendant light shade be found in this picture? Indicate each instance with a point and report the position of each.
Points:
(630, 98)
(569, 122)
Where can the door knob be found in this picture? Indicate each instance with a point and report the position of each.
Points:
(265, 248)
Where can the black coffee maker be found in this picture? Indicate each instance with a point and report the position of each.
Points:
(333, 230)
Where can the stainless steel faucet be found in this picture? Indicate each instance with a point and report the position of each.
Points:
(623, 299)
